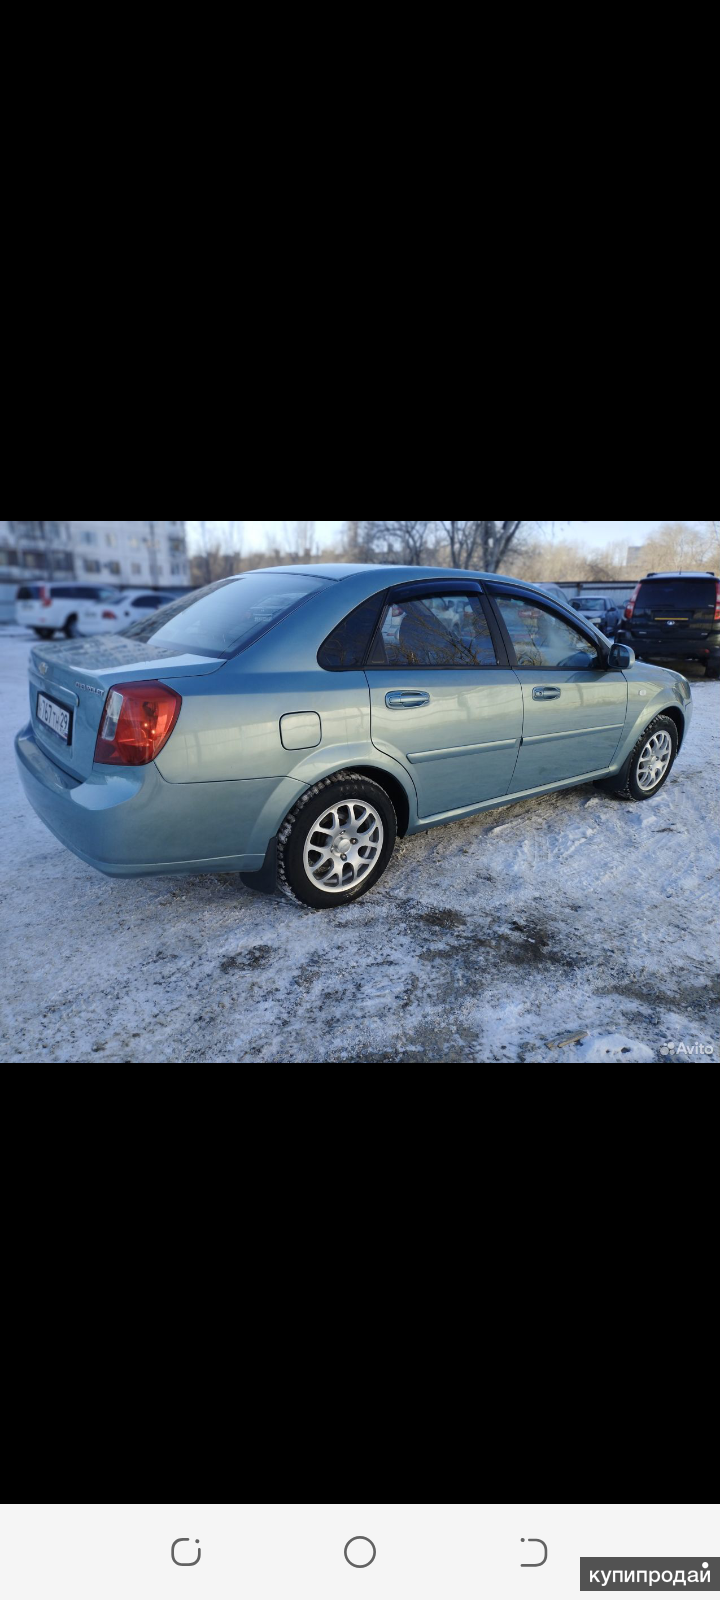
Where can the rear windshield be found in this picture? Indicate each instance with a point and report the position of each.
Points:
(689, 594)
(590, 605)
(29, 591)
(227, 616)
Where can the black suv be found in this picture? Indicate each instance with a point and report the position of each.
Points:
(675, 616)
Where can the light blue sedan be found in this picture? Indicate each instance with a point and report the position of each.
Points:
(289, 723)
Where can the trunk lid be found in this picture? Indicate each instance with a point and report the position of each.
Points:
(675, 609)
(75, 677)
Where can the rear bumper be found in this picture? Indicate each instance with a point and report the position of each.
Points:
(669, 646)
(132, 823)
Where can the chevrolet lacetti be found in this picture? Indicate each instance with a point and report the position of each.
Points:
(288, 723)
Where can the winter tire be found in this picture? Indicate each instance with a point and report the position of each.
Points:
(651, 762)
(336, 842)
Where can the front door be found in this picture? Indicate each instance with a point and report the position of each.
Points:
(574, 707)
(444, 702)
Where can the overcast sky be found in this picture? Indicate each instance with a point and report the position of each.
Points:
(589, 534)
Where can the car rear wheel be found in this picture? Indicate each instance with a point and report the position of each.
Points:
(44, 633)
(650, 764)
(336, 842)
(72, 628)
(713, 671)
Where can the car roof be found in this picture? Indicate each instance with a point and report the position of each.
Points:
(339, 570)
(677, 575)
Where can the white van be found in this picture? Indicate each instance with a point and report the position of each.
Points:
(74, 609)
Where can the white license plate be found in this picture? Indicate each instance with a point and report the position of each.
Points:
(54, 716)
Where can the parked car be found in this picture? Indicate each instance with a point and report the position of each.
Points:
(134, 605)
(70, 608)
(269, 725)
(675, 616)
(599, 609)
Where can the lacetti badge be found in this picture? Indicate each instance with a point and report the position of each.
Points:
(617, 1574)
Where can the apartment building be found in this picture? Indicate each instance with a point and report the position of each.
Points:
(136, 554)
(139, 555)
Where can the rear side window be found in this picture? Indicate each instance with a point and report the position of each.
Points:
(689, 594)
(347, 645)
(437, 631)
(227, 616)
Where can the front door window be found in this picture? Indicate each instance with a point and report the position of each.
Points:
(543, 639)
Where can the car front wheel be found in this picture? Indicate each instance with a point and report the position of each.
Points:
(336, 842)
(651, 762)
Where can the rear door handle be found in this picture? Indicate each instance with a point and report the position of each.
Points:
(407, 698)
(546, 694)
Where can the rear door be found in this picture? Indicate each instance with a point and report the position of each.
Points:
(680, 610)
(574, 706)
(444, 702)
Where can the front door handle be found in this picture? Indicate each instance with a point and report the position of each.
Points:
(546, 694)
(399, 698)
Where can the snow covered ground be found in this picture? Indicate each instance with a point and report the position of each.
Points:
(495, 939)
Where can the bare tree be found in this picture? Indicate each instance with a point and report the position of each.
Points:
(299, 545)
(496, 539)
(482, 545)
(218, 553)
(234, 542)
(360, 542)
(409, 543)
(463, 540)
(682, 544)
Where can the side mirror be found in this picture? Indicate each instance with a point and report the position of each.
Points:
(621, 657)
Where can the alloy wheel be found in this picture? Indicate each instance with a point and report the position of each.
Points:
(654, 761)
(343, 846)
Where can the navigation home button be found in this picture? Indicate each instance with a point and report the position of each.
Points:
(361, 1547)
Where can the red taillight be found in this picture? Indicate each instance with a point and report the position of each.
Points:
(109, 616)
(717, 601)
(630, 607)
(45, 595)
(137, 720)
